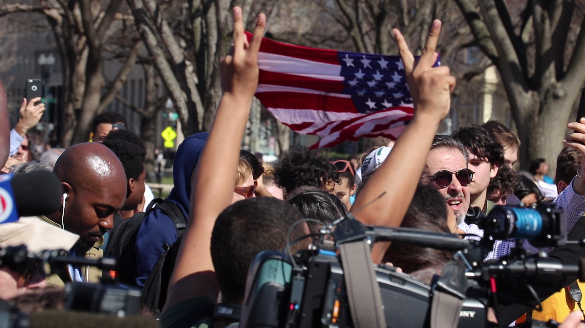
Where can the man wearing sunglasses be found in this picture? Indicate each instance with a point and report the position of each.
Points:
(446, 170)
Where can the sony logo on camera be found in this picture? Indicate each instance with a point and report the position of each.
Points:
(467, 314)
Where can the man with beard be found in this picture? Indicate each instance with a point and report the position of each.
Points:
(446, 170)
(94, 187)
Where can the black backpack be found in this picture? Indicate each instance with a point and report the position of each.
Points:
(154, 293)
(122, 241)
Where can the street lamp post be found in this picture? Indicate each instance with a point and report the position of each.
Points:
(46, 63)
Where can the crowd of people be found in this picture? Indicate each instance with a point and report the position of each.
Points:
(192, 250)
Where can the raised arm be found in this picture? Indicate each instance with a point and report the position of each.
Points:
(430, 89)
(214, 181)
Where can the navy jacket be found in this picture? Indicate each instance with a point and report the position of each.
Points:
(158, 229)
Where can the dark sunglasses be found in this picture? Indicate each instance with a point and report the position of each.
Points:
(247, 192)
(24, 148)
(443, 178)
(343, 165)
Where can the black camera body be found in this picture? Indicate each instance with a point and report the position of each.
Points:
(308, 289)
(103, 298)
(321, 296)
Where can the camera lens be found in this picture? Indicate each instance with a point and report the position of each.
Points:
(528, 223)
(514, 222)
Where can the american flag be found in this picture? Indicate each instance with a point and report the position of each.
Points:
(333, 94)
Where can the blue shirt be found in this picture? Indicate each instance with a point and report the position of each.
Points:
(15, 141)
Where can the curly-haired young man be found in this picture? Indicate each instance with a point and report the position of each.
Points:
(302, 167)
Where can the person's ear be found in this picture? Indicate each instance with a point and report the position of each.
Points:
(67, 189)
(561, 185)
(494, 169)
(352, 190)
(131, 186)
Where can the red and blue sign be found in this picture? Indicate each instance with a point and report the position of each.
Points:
(7, 206)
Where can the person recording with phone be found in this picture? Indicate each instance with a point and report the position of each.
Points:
(30, 115)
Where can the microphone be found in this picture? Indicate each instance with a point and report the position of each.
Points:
(417, 237)
(29, 194)
(58, 319)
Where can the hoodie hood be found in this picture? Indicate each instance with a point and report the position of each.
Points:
(186, 160)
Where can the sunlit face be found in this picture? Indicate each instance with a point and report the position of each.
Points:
(456, 195)
(102, 131)
(543, 168)
(23, 152)
(484, 171)
(510, 155)
(89, 210)
(248, 183)
(344, 191)
(13, 284)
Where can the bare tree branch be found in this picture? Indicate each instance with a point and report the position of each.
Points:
(575, 73)
(561, 24)
(109, 16)
(516, 40)
(130, 105)
(475, 71)
(144, 26)
(120, 77)
(352, 25)
(479, 30)
(22, 8)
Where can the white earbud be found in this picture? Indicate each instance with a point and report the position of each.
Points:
(63, 212)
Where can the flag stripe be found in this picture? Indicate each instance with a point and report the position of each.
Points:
(311, 101)
(326, 56)
(392, 128)
(298, 119)
(291, 65)
(299, 116)
(303, 82)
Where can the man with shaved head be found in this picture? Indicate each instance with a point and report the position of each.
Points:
(94, 187)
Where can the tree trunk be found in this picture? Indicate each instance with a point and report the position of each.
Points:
(152, 109)
(91, 102)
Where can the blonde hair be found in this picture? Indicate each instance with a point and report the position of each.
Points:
(244, 172)
(268, 176)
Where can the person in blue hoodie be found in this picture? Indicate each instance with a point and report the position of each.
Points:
(157, 232)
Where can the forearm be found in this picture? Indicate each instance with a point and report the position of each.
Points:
(21, 128)
(398, 176)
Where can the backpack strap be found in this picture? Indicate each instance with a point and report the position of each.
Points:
(154, 202)
(175, 213)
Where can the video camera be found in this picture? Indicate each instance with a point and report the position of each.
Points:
(308, 289)
(106, 298)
